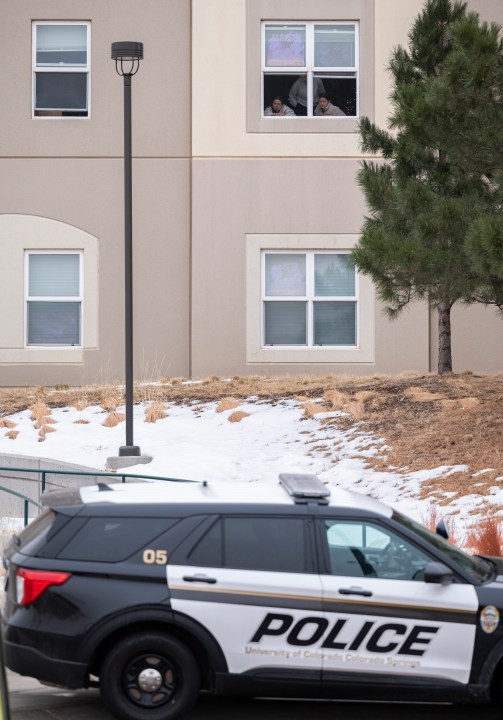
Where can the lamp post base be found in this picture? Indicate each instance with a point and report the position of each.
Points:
(126, 450)
(118, 462)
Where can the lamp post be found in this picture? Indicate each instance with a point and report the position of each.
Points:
(127, 56)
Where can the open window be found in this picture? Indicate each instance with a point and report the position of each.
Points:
(305, 61)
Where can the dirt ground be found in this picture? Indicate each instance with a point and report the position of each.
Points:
(427, 421)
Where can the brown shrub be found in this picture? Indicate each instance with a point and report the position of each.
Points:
(417, 394)
(44, 430)
(313, 408)
(41, 421)
(227, 403)
(486, 538)
(430, 520)
(110, 401)
(365, 395)
(39, 409)
(356, 409)
(81, 422)
(7, 423)
(12, 434)
(336, 398)
(81, 404)
(113, 419)
(156, 411)
(237, 416)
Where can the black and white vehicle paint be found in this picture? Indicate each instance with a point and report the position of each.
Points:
(157, 590)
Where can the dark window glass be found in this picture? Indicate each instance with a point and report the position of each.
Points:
(285, 323)
(61, 91)
(53, 323)
(36, 530)
(335, 323)
(113, 539)
(270, 544)
(208, 551)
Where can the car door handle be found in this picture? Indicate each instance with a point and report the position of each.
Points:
(355, 591)
(200, 578)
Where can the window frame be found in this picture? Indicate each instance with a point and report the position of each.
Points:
(293, 357)
(63, 69)
(309, 298)
(310, 69)
(52, 298)
(257, 11)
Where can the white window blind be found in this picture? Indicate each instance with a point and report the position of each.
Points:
(53, 299)
(309, 299)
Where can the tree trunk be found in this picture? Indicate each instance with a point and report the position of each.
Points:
(444, 338)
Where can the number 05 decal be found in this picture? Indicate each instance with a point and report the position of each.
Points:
(155, 557)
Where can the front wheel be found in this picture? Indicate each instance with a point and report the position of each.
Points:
(149, 677)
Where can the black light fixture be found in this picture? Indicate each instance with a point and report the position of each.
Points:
(127, 56)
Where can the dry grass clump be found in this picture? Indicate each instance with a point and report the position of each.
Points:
(228, 403)
(111, 401)
(356, 409)
(12, 434)
(156, 411)
(237, 416)
(113, 419)
(336, 398)
(81, 421)
(81, 404)
(39, 409)
(314, 408)
(486, 538)
(366, 395)
(4, 423)
(44, 430)
(417, 394)
(44, 420)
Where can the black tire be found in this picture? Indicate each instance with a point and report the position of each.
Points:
(149, 676)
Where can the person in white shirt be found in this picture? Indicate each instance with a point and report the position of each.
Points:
(297, 96)
(326, 109)
(278, 109)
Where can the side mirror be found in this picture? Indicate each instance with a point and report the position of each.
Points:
(439, 573)
(441, 529)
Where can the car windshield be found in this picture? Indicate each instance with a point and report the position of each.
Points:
(477, 568)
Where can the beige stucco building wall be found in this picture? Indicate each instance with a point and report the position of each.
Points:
(70, 170)
(212, 181)
(248, 183)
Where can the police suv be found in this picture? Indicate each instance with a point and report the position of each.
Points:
(154, 591)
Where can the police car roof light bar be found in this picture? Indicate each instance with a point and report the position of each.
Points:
(305, 488)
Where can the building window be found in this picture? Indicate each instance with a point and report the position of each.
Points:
(309, 299)
(303, 62)
(61, 66)
(53, 298)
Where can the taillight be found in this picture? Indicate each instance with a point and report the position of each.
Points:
(30, 584)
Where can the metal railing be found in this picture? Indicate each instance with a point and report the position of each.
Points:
(43, 481)
(26, 501)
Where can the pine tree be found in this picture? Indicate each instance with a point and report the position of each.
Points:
(422, 199)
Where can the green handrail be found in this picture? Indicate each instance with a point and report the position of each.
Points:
(26, 500)
(96, 473)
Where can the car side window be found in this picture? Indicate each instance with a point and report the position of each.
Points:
(274, 544)
(358, 548)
